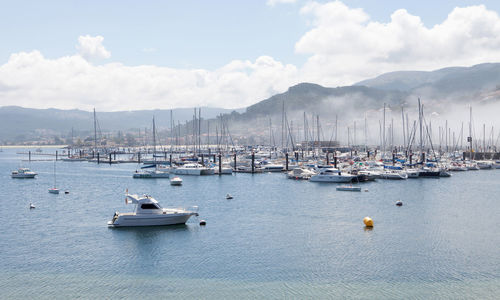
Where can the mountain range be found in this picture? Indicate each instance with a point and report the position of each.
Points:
(479, 84)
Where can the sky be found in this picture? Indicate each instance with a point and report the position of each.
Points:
(127, 55)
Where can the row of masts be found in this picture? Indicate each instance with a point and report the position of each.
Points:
(311, 135)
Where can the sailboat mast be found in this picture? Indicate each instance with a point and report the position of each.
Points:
(354, 134)
(171, 131)
(317, 125)
(55, 173)
(403, 120)
(383, 135)
(282, 123)
(95, 131)
(420, 126)
(470, 131)
(154, 136)
(199, 129)
(366, 136)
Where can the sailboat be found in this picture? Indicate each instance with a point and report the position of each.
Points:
(156, 173)
(54, 190)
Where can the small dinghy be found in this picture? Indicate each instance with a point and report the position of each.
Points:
(32, 205)
(349, 188)
(54, 190)
(228, 196)
(176, 181)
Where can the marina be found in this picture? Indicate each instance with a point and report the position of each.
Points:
(275, 149)
(290, 248)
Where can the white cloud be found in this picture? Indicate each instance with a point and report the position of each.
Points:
(346, 45)
(31, 80)
(274, 2)
(91, 47)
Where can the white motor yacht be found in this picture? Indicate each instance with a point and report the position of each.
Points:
(192, 169)
(270, 167)
(394, 175)
(412, 173)
(471, 166)
(156, 173)
(23, 173)
(148, 212)
(300, 173)
(483, 164)
(332, 175)
(455, 166)
(176, 181)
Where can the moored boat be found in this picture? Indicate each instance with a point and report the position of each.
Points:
(176, 181)
(23, 173)
(349, 188)
(332, 175)
(148, 212)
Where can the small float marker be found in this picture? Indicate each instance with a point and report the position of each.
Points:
(368, 222)
(66, 192)
(399, 203)
(203, 223)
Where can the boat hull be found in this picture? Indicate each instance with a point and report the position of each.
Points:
(54, 191)
(349, 188)
(186, 171)
(23, 176)
(334, 179)
(151, 175)
(132, 220)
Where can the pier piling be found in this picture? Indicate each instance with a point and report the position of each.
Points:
(286, 157)
(253, 162)
(220, 164)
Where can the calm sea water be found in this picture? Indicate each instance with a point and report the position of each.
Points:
(277, 238)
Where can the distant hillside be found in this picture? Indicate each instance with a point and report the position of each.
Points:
(460, 83)
(310, 97)
(15, 121)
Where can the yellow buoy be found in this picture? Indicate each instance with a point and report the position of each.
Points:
(368, 222)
